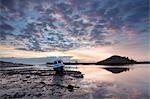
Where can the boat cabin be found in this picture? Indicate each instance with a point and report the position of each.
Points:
(58, 66)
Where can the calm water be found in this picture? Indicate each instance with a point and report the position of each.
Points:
(128, 82)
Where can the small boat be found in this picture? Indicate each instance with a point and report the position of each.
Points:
(58, 66)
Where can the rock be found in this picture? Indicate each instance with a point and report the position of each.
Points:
(24, 80)
(28, 76)
(79, 76)
(38, 95)
(28, 81)
(19, 94)
(42, 82)
(70, 87)
(29, 94)
(6, 96)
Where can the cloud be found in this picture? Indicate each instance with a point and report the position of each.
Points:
(6, 27)
(65, 25)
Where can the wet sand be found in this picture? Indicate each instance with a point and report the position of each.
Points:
(31, 82)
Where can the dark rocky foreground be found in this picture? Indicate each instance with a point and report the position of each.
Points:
(26, 71)
(27, 83)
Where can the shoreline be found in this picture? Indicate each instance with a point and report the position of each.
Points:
(32, 82)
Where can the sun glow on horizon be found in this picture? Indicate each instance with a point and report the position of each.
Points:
(93, 54)
(83, 54)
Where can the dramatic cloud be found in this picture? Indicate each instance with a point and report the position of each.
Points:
(50, 25)
(6, 27)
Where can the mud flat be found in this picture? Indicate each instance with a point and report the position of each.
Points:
(33, 83)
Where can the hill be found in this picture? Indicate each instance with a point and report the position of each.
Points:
(116, 60)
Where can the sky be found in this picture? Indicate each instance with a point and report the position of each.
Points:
(87, 30)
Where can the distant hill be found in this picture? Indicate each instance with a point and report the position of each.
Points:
(117, 60)
(11, 64)
(39, 60)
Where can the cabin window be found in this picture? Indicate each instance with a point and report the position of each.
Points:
(55, 62)
(59, 61)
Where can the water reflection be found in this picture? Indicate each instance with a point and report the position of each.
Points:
(57, 80)
(126, 82)
(116, 70)
(57, 83)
